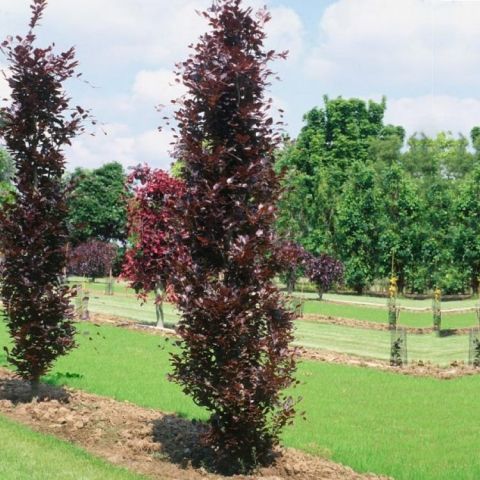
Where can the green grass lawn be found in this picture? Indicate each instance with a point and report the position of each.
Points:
(124, 304)
(376, 343)
(407, 427)
(27, 455)
(401, 301)
(407, 318)
(363, 342)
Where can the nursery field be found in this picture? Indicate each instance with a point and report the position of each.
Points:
(124, 303)
(310, 334)
(379, 315)
(27, 455)
(376, 343)
(365, 418)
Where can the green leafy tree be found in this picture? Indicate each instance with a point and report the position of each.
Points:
(6, 174)
(438, 165)
(98, 205)
(437, 265)
(443, 155)
(475, 137)
(399, 237)
(466, 210)
(357, 229)
(316, 165)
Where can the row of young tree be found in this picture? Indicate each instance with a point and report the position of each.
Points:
(210, 237)
(355, 191)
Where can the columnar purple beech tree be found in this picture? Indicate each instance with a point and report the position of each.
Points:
(236, 359)
(35, 127)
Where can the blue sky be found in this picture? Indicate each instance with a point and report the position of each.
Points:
(424, 55)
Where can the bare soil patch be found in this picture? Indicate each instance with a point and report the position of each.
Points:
(159, 445)
(418, 369)
(351, 322)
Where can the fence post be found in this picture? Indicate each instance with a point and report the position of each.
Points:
(437, 311)
(393, 311)
(474, 347)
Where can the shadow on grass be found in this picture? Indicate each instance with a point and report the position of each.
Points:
(19, 391)
(169, 325)
(448, 332)
(59, 379)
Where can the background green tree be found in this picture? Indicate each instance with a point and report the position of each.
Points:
(466, 210)
(6, 174)
(357, 227)
(98, 205)
(399, 237)
(316, 166)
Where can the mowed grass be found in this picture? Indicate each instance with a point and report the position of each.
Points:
(401, 301)
(380, 315)
(125, 304)
(27, 455)
(357, 341)
(409, 428)
(376, 344)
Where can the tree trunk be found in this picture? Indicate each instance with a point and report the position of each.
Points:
(85, 313)
(35, 387)
(65, 271)
(320, 293)
(159, 306)
(291, 282)
(475, 284)
(401, 283)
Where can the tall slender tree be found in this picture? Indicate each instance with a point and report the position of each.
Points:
(37, 124)
(236, 358)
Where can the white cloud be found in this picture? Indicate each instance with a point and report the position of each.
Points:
(116, 142)
(434, 113)
(429, 44)
(285, 32)
(144, 31)
(156, 87)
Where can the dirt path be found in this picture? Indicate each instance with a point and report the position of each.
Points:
(418, 369)
(351, 322)
(159, 445)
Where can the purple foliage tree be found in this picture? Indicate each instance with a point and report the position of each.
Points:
(292, 257)
(324, 271)
(35, 127)
(236, 330)
(92, 259)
